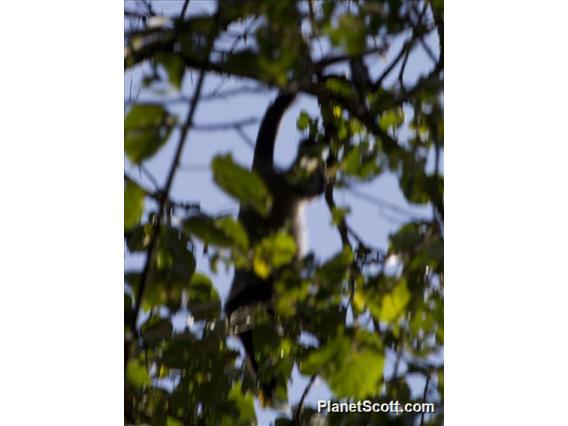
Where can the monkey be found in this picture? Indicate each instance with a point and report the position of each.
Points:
(290, 192)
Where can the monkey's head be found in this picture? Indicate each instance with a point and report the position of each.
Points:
(309, 168)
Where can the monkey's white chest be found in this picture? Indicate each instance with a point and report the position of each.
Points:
(299, 229)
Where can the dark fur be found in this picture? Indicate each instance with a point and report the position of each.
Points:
(248, 289)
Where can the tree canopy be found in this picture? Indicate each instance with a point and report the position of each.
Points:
(373, 315)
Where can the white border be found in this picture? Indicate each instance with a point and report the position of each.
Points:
(506, 210)
(61, 213)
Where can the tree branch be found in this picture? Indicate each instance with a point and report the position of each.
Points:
(165, 192)
(300, 407)
(342, 225)
(379, 202)
(245, 137)
(157, 196)
(215, 96)
(184, 9)
(424, 398)
(332, 60)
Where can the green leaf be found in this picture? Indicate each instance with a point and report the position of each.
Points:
(289, 290)
(136, 373)
(223, 232)
(133, 204)
(407, 237)
(335, 270)
(174, 66)
(349, 34)
(170, 421)
(392, 119)
(303, 121)
(361, 162)
(244, 403)
(338, 214)
(273, 252)
(245, 185)
(146, 129)
(173, 267)
(138, 238)
(393, 304)
(234, 231)
(352, 366)
(339, 86)
(203, 299)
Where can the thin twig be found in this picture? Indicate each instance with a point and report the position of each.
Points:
(342, 227)
(406, 47)
(424, 398)
(379, 202)
(417, 34)
(213, 95)
(146, 191)
(402, 69)
(157, 195)
(300, 408)
(245, 137)
(428, 50)
(332, 60)
(148, 6)
(150, 176)
(184, 9)
(399, 352)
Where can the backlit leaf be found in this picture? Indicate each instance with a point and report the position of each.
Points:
(133, 204)
(352, 366)
(393, 304)
(243, 184)
(273, 252)
(174, 66)
(146, 129)
(136, 373)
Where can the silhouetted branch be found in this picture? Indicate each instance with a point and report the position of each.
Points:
(424, 398)
(245, 137)
(428, 50)
(157, 196)
(184, 9)
(300, 407)
(380, 202)
(405, 49)
(342, 225)
(215, 95)
(402, 69)
(150, 176)
(332, 60)
(165, 192)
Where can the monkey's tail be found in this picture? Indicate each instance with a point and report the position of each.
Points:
(264, 146)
